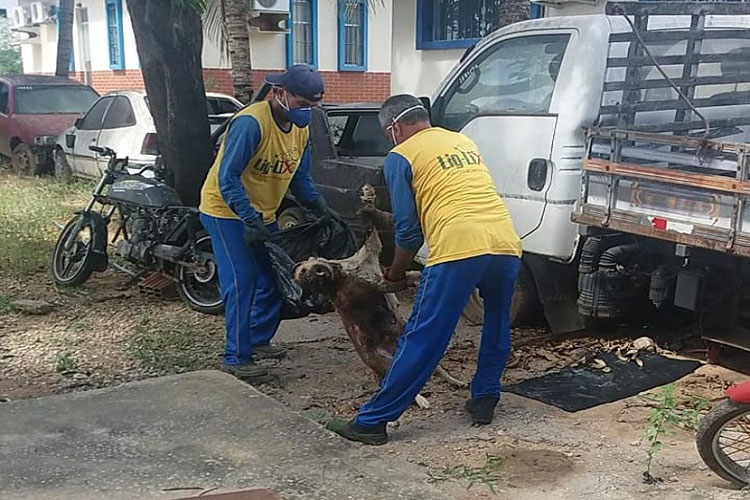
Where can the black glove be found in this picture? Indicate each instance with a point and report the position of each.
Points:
(256, 231)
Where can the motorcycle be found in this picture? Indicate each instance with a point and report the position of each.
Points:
(723, 436)
(155, 232)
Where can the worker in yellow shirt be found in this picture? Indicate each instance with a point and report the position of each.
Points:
(265, 152)
(442, 191)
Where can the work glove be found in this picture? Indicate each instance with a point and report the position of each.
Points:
(256, 231)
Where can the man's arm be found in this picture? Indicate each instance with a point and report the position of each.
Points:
(239, 146)
(302, 186)
(409, 239)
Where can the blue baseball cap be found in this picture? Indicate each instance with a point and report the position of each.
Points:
(301, 80)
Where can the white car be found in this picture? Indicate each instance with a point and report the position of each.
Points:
(121, 121)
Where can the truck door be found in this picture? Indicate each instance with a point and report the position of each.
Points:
(501, 99)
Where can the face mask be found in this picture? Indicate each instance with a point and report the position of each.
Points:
(392, 126)
(299, 116)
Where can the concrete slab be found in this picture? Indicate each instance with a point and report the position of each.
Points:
(176, 436)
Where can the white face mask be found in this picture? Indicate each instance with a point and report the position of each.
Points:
(395, 120)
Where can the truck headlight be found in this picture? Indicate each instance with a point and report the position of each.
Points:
(45, 140)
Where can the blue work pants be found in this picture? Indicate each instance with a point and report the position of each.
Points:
(444, 291)
(248, 288)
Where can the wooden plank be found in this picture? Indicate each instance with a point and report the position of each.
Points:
(694, 125)
(677, 8)
(668, 176)
(623, 62)
(677, 35)
(729, 99)
(658, 83)
(659, 234)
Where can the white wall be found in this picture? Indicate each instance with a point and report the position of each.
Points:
(268, 51)
(415, 71)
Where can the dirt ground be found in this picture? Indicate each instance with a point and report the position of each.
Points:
(106, 333)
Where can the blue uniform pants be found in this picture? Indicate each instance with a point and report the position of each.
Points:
(248, 288)
(444, 291)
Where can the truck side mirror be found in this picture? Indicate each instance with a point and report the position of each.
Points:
(537, 176)
(70, 141)
(426, 103)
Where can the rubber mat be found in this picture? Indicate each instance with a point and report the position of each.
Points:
(580, 388)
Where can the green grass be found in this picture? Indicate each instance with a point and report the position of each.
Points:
(66, 362)
(28, 209)
(5, 305)
(173, 347)
(488, 474)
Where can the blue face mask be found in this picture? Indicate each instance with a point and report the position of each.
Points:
(299, 116)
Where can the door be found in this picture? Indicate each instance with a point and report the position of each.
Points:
(501, 100)
(119, 131)
(4, 120)
(87, 134)
(361, 147)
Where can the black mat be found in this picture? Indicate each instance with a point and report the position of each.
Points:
(574, 389)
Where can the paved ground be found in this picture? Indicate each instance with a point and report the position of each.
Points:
(176, 436)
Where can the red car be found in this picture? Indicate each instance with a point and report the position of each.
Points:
(34, 110)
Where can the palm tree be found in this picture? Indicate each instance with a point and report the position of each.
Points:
(226, 22)
(64, 37)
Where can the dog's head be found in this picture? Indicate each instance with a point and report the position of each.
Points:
(318, 277)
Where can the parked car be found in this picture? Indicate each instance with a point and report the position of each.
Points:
(34, 110)
(121, 121)
(348, 151)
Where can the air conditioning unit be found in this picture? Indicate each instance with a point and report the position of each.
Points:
(275, 6)
(42, 12)
(21, 17)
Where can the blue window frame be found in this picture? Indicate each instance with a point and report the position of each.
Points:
(302, 40)
(458, 24)
(114, 34)
(352, 35)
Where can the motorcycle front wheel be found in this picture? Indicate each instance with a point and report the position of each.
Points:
(199, 289)
(78, 250)
(723, 441)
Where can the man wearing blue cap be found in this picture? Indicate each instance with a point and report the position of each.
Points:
(266, 152)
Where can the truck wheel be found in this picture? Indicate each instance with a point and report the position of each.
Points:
(23, 160)
(290, 217)
(523, 309)
(63, 172)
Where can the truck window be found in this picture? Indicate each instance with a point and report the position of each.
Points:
(3, 98)
(515, 76)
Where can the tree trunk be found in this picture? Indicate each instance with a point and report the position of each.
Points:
(513, 11)
(169, 39)
(64, 37)
(238, 41)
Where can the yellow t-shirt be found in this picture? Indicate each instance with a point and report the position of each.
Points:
(461, 213)
(269, 172)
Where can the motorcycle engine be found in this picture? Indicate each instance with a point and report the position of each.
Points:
(141, 233)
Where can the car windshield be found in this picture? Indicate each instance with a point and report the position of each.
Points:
(51, 99)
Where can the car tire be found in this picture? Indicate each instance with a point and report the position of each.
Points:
(292, 216)
(523, 310)
(63, 172)
(23, 161)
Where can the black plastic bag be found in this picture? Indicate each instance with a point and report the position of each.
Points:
(293, 304)
(326, 238)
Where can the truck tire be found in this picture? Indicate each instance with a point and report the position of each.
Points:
(292, 216)
(523, 309)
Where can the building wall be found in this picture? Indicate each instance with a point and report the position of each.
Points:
(268, 52)
(417, 72)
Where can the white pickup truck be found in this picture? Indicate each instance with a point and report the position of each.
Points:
(617, 182)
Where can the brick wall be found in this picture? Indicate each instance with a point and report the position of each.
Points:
(340, 86)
